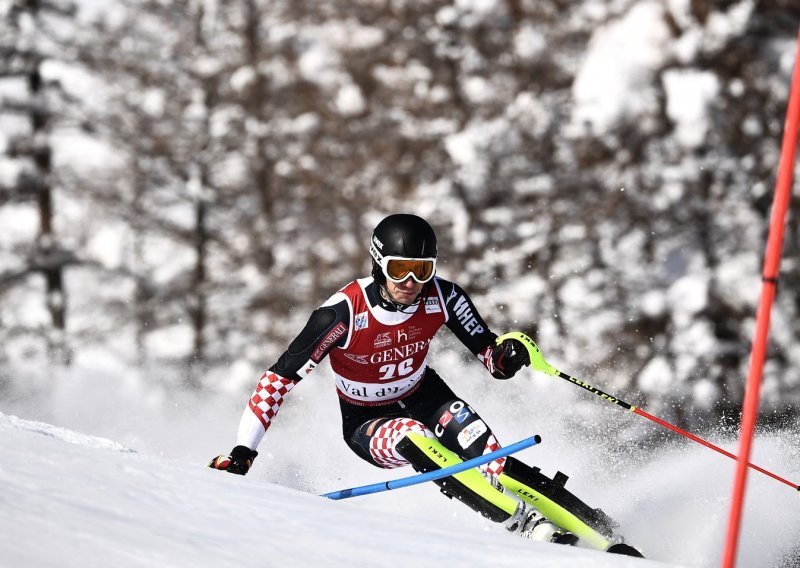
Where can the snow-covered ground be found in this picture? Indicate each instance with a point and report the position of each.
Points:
(147, 499)
(74, 500)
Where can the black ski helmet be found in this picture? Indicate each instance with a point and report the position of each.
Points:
(403, 235)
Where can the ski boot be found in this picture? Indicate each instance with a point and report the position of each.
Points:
(529, 523)
(592, 526)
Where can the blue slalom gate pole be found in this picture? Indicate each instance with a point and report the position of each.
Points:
(433, 475)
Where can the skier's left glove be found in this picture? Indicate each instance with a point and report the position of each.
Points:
(509, 357)
(238, 462)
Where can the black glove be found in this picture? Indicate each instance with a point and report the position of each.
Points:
(238, 462)
(509, 357)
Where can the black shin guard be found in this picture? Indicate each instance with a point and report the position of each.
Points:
(460, 428)
(554, 490)
(498, 508)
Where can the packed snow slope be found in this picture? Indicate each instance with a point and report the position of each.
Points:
(70, 499)
(80, 499)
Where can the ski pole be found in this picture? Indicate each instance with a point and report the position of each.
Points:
(433, 475)
(538, 363)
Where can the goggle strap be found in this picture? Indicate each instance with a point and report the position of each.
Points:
(373, 251)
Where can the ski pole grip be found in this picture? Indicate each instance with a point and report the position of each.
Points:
(538, 362)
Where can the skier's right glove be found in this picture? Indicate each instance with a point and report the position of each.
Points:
(508, 357)
(238, 462)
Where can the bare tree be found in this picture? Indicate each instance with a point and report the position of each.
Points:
(32, 41)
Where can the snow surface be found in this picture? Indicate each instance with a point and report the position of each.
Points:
(74, 500)
(147, 499)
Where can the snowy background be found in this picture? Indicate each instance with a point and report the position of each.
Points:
(181, 182)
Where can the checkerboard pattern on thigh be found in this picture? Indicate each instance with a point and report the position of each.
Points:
(383, 441)
(493, 468)
(268, 397)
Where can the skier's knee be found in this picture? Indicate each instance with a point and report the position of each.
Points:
(376, 440)
(460, 428)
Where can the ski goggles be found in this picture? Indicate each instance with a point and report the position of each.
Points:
(398, 268)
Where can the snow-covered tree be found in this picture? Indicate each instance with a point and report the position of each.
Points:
(600, 174)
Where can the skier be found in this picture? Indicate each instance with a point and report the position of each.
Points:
(376, 332)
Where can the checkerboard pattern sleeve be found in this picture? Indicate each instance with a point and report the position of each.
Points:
(268, 397)
(383, 441)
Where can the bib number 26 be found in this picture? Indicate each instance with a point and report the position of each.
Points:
(391, 370)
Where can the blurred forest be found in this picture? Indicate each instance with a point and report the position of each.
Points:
(183, 181)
